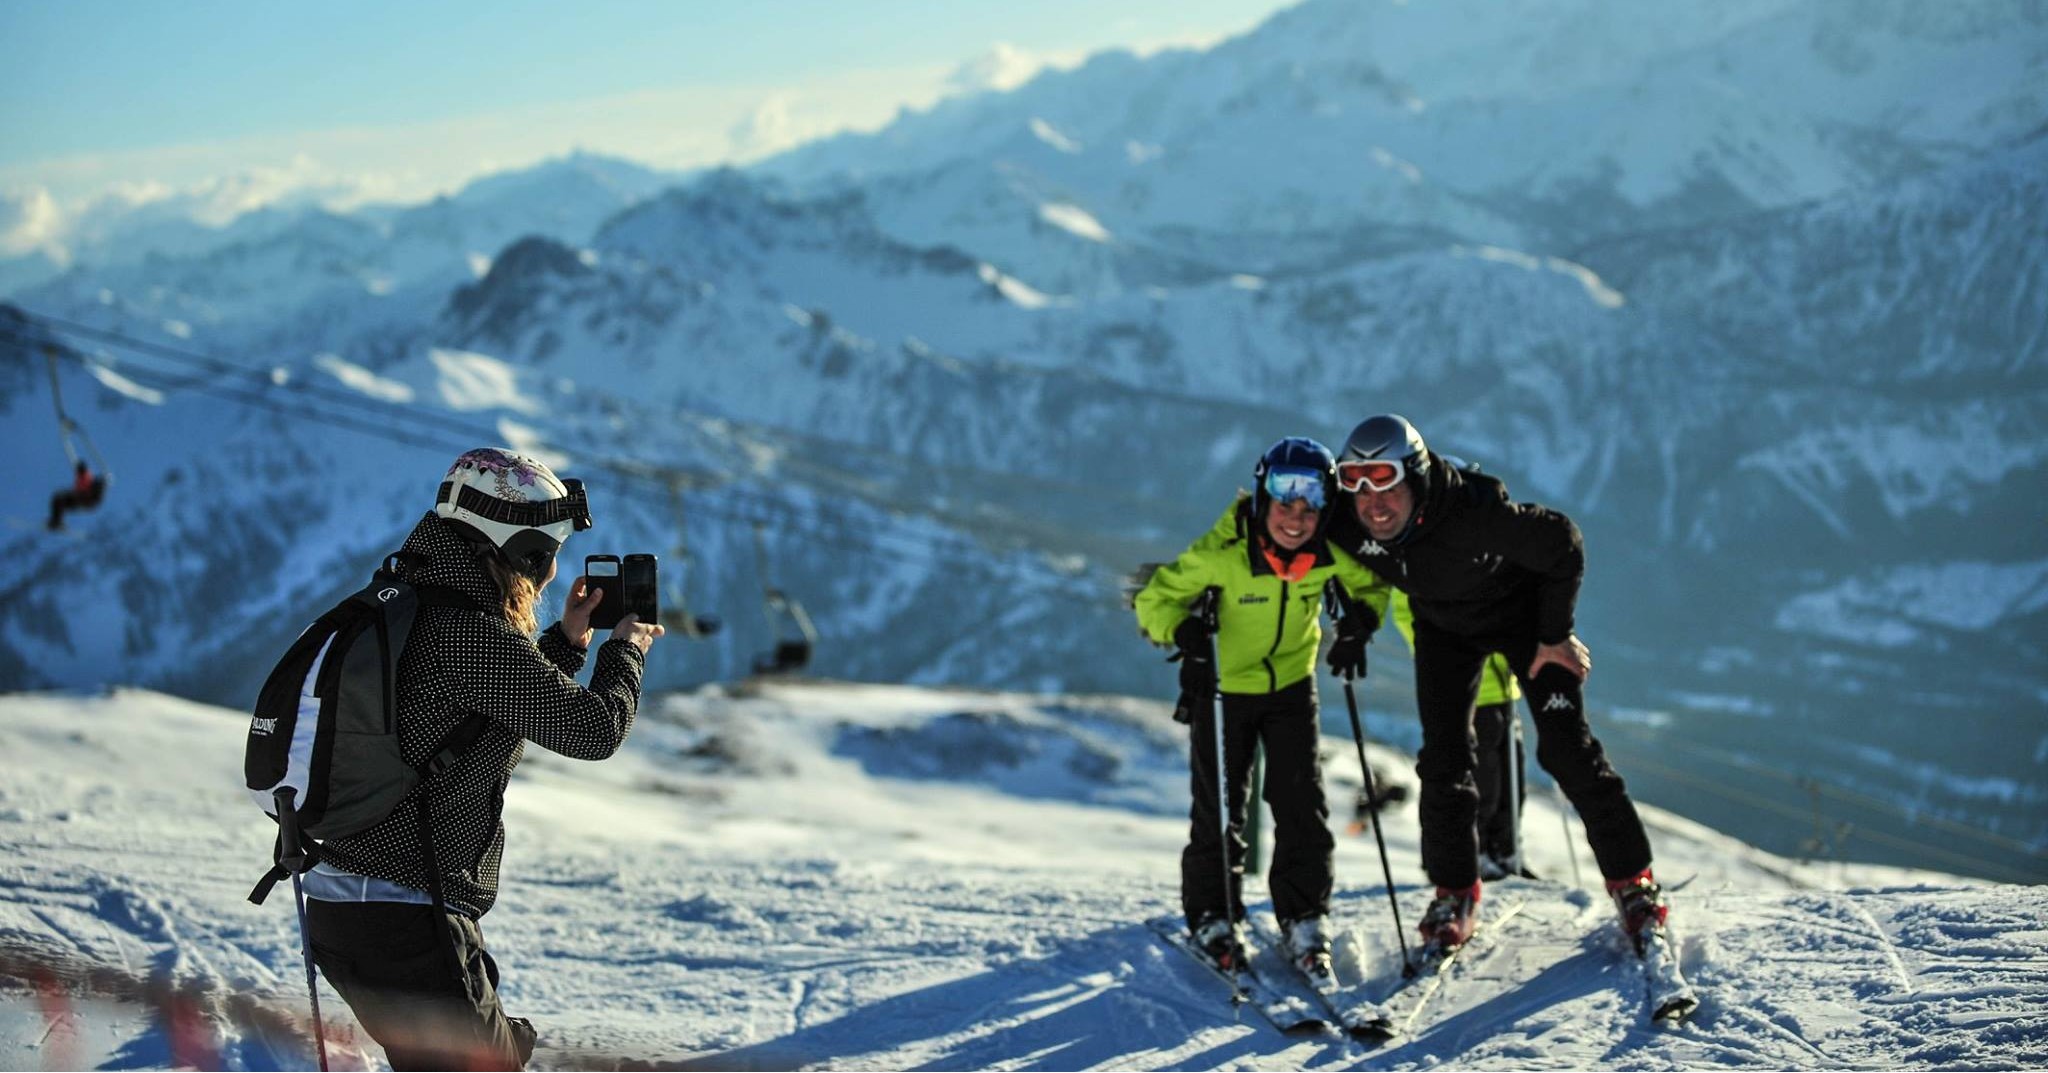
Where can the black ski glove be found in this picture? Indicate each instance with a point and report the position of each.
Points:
(1347, 652)
(1197, 659)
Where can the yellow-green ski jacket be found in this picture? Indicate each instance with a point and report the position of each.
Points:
(1267, 629)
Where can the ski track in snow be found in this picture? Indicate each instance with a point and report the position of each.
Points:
(686, 912)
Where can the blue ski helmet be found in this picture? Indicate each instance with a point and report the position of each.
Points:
(1294, 468)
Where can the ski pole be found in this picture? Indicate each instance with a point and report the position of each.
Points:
(312, 984)
(291, 852)
(1386, 869)
(1237, 995)
(1513, 745)
(1205, 609)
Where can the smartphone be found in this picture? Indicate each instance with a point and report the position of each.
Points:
(601, 572)
(643, 589)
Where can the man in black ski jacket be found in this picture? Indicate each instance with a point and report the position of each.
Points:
(1485, 574)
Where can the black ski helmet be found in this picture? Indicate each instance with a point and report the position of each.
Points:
(1389, 438)
(1293, 453)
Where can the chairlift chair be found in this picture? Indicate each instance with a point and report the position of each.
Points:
(792, 653)
(66, 427)
(676, 614)
(675, 606)
(792, 650)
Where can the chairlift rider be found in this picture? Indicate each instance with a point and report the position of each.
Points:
(87, 487)
(86, 491)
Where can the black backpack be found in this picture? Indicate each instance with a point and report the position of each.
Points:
(322, 757)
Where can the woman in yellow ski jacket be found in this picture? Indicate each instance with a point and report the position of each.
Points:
(1267, 565)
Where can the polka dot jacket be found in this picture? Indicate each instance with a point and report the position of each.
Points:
(457, 662)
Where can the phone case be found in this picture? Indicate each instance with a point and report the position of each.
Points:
(612, 608)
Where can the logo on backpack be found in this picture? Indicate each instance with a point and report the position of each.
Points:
(260, 725)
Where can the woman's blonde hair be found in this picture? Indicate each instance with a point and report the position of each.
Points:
(521, 592)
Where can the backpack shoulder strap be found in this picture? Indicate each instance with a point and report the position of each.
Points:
(399, 563)
(455, 743)
(443, 596)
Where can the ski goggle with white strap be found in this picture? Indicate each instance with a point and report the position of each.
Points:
(1374, 473)
(1288, 484)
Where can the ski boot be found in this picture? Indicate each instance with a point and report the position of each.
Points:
(1451, 917)
(1222, 942)
(1308, 947)
(1641, 903)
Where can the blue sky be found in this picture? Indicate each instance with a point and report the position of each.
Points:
(420, 96)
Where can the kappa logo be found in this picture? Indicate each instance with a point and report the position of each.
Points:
(1371, 547)
(1558, 702)
(263, 726)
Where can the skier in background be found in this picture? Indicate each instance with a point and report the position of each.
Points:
(1268, 559)
(1486, 575)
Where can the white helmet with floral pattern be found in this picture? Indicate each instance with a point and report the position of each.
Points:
(514, 503)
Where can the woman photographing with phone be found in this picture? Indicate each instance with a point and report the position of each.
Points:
(393, 913)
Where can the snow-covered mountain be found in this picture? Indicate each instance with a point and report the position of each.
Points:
(839, 876)
(958, 393)
(1337, 129)
(166, 246)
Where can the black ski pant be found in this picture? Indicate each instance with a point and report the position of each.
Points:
(1494, 739)
(1286, 724)
(1447, 669)
(428, 994)
(70, 500)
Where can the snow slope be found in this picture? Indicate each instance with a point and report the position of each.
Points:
(827, 875)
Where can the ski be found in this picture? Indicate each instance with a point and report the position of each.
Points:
(1288, 1013)
(1356, 1013)
(1671, 998)
(1435, 965)
(1349, 1006)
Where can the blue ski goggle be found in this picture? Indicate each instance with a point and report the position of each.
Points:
(1288, 484)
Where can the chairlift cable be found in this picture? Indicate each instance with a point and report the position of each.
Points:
(377, 421)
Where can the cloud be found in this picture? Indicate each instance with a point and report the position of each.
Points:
(767, 129)
(1004, 67)
(29, 220)
(683, 127)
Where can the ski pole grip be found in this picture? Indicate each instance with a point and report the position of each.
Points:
(1205, 609)
(291, 848)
